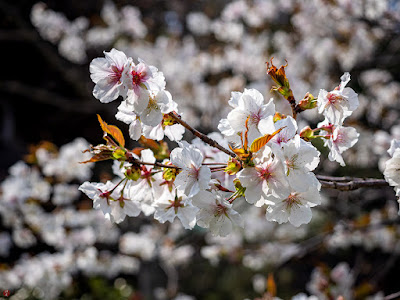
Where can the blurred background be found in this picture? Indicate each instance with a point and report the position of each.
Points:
(206, 49)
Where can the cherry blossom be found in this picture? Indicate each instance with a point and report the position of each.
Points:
(193, 176)
(295, 208)
(339, 103)
(216, 213)
(138, 79)
(170, 205)
(340, 140)
(106, 73)
(392, 168)
(266, 181)
(249, 105)
(299, 159)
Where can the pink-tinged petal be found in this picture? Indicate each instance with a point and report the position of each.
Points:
(99, 69)
(116, 58)
(106, 92)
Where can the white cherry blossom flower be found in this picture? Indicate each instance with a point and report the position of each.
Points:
(250, 104)
(266, 181)
(100, 194)
(106, 73)
(340, 140)
(139, 78)
(122, 205)
(299, 159)
(296, 208)
(339, 103)
(114, 205)
(193, 176)
(157, 105)
(394, 145)
(216, 213)
(170, 205)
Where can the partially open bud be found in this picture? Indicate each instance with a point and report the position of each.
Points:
(307, 133)
(239, 188)
(233, 166)
(278, 116)
(308, 102)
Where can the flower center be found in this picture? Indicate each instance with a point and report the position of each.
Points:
(116, 75)
(152, 104)
(137, 77)
(193, 172)
(220, 210)
(335, 98)
(264, 173)
(255, 118)
(293, 199)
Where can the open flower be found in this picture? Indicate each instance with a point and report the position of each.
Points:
(170, 205)
(339, 103)
(265, 181)
(340, 140)
(295, 208)
(193, 176)
(106, 73)
(216, 213)
(138, 79)
(299, 159)
(248, 105)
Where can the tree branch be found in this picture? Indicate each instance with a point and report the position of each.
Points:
(200, 135)
(349, 183)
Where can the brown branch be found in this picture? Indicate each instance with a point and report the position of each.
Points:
(352, 184)
(200, 135)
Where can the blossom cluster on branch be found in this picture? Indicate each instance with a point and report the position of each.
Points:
(270, 163)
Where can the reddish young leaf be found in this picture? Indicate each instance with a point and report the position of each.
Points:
(262, 141)
(112, 130)
(98, 157)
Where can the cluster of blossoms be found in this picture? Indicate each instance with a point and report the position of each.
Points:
(270, 163)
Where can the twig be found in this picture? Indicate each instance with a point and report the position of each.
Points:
(200, 135)
(353, 184)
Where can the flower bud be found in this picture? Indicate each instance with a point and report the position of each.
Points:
(308, 102)
(133, 173)
(278, 116)
(307, 133)
(233, 166)
(239, 188)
